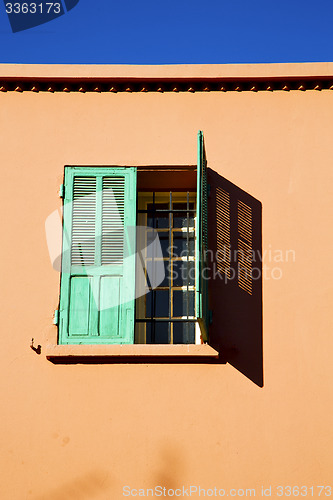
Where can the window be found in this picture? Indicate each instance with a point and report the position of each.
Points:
(109, 293)
(165, 313)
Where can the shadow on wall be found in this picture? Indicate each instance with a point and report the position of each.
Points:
(170, 468)
(85, 487)
(235, 240)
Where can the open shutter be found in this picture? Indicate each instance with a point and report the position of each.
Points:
(202, 240)
(98, 258)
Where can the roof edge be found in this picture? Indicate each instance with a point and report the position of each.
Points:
(190, 78)
(172, 71)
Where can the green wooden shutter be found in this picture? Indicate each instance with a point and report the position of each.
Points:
(98, 259)
(202, 240)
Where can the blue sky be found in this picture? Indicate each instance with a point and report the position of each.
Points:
(176, 32)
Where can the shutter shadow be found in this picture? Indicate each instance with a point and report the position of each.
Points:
(235, 243)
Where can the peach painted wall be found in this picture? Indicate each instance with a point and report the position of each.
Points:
(85, 431)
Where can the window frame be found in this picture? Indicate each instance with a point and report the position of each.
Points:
(143, 319)
(56, 350)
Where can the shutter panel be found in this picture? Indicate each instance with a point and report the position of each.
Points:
(98, 259)
(202, 239)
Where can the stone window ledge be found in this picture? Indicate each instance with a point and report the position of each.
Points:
(130, 351)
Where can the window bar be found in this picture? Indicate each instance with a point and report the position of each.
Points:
(173, 320)
(182, 210)
(170, 268)
(188, 264)
(168, 211)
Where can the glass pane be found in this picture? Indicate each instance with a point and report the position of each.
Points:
(157, 304)
(140, 333)
(183, 333)
(158, 273)
(156, 219)
(183, 303)
(183, 206)
(183, 273)
(180, 218)
(180, 247)
(164, 242)
(157, 332)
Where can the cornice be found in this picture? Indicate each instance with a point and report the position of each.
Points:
(173, 78)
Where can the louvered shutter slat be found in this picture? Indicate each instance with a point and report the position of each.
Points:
(83, 221)
(113, 210)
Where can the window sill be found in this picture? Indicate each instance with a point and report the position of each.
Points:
(130, 351)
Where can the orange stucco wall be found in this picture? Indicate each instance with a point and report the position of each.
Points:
(85, 431)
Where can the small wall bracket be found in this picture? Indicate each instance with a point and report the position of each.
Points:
(56, 317)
